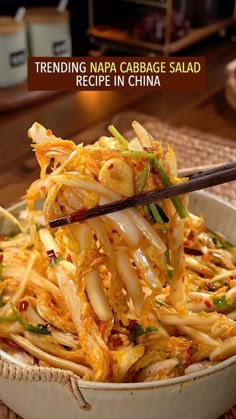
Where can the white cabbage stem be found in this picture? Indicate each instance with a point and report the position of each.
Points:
(147, 230)
(198, 267)
(6, 214)
(124, 358)
(69, 291)
(199, 366)
(197, 306)
(96, 294)
(49, 179)
(177, 283)
(224, 275)
(68, 267)
(135, 145)
(124, 226)
(130, 279)
(47, 344)
(144, 137)
(76, 181)
(199, 301)
(232, 315)
(98, 227)
(21, 239)
(198, 336)
(32, 315)
(39, 134)
(149, 373)
(148, 274)
(86, 239)
(53, 360)
(20, 291)
(65, 339)
(93, 282)
(225, 350)
(48, 242)
(231, 293)
(34, 278)
(189, 319)
(12, 359)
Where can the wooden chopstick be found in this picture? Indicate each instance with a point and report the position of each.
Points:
(221, 174)
(190, 172)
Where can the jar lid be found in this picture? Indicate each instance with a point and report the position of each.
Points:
(45, 15)
(9, 25)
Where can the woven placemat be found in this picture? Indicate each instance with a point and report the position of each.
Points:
(6, 413)
(193, 148)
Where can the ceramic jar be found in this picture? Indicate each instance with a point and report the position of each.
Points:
(48, 32)
(13, 61)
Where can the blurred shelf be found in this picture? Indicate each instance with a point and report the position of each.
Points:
(109, 36)
(19, 96)
(152, 3)
(200, 33)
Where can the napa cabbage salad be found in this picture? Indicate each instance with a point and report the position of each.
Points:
(143, 294)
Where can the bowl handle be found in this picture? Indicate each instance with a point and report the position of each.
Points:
(77, 395)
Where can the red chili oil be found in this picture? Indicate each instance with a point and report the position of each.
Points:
(207, 303)
(23, 305)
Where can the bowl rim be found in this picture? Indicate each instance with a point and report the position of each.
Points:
(171, 382)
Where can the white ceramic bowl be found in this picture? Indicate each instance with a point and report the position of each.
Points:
(47, 393)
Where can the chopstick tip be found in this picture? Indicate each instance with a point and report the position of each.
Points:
(58, 222)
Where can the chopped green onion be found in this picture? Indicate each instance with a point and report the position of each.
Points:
(136, 154)
(146, 210)
(17, 316)
(169, 270)
(162, 214)
(181, 210)
(219, 241)
(221, 302)
(38, 227)
(156, 217)
(163, 175)
(40, 329)
(141, 186)
(155, 213)
(117, 135)
(138, 330)
(58, 259)
(8, 319)
(180, 367)
(144, 176)
(11, 319)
